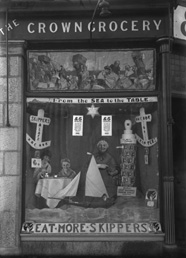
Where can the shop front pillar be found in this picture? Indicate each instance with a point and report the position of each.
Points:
(164, 50)
(11, 132)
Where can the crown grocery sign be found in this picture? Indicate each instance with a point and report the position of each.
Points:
(61, 28)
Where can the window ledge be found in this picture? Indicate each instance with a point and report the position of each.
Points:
(96, 237)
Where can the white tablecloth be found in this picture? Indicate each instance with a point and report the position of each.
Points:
(48, 188)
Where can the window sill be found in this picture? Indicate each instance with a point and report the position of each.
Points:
(96, 237)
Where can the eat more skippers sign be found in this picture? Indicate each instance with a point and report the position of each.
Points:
(90, 228)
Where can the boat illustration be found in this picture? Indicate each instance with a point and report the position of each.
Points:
(96, 192)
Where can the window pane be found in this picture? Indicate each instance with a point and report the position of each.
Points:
(178, 77)
(91, 70)
(92, 160)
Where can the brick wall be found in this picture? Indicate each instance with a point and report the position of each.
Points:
(11, 147)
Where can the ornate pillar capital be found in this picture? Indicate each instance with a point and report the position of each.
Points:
(164, 45)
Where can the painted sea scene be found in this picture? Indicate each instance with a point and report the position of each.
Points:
(91, 70)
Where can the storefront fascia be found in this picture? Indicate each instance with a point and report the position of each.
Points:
(137, 30)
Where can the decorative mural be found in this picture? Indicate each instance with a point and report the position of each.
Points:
(91, 70)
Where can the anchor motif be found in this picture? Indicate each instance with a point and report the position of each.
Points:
(40, 120)
(146, 142)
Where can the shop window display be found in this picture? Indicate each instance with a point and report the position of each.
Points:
(69, 142)
(92, 159)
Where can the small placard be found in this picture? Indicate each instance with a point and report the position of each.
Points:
(106, 125)
(151, 198)
(77, 129)
(35, 163)
(126, 191)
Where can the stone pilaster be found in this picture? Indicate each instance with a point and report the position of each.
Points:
(11, 138)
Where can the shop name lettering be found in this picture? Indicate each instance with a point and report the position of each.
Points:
(90, 228)
(80, 27)
(101, 26)
(10, 26)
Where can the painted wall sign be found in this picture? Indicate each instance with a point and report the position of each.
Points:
(90, 228)
(65, 29)
(180, 22)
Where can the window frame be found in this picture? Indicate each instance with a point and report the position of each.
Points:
(83, 237)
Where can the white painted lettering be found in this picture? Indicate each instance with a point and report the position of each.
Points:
(78, 27)
(146, 25)
(91, 26)
(1, 30)
(29, 29)
(66, 26)
(15, 23)
(122, 26)
(113, 26)
(157, 24)
(102, 26)
(9, 27)
(134, 26)
(53, 27)
(41, 27)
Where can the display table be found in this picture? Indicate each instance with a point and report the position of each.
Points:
(48, 188)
